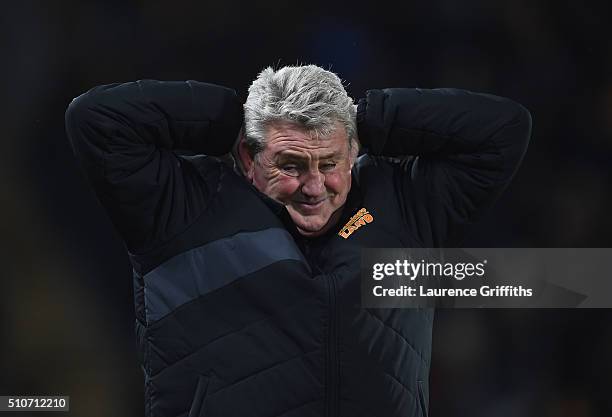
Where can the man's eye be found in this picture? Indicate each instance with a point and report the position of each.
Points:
(328, 166)
(290, 169)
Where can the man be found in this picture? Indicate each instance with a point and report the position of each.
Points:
(247, 284)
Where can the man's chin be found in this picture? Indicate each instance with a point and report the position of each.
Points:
(310, 232)
(309, 225)
(310, 228)
(313, 225)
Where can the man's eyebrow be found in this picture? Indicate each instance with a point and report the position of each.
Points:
(331, 155)
(298, 156)
(289, 155)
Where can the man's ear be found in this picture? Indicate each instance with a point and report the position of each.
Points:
(246, 160)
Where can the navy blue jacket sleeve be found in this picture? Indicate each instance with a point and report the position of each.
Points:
(127, 138)
(458, 150)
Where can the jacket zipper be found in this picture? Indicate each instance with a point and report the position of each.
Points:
(332, 351)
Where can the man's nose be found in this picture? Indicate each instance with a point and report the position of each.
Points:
(313, 184)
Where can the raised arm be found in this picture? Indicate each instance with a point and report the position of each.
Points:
(458, 149)
(127, 137)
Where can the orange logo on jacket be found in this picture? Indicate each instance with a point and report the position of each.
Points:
(361, 218)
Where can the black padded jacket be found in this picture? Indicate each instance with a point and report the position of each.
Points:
(237, 315)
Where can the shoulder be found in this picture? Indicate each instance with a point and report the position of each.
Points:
(376, 178)
(371, 170)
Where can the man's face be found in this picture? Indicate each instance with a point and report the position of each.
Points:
(310, 176)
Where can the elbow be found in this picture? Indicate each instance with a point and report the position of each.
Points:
(76, 110)
(85, 143)
(521, 116)
(515, 122)
(79, 119)
(82, 108)
(514, 136)
(76, 117)
(522, 124)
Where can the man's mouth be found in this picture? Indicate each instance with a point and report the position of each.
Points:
(309, 207)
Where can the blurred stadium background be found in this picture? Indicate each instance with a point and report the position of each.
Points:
(66, 311)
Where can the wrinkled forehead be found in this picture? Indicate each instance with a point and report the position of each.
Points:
(291, 139)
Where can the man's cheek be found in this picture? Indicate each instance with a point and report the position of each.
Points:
(284, 188)
(337, 182)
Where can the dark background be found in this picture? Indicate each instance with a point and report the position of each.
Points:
(66, 312)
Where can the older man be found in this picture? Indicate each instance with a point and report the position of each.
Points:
(247, 281)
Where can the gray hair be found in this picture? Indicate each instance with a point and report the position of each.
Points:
(308, 96)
